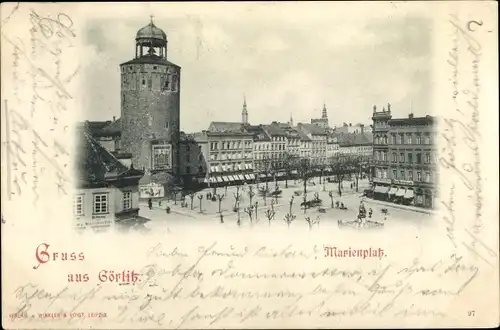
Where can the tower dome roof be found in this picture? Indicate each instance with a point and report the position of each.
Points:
(150, 31)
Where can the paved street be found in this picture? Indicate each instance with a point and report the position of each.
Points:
(397, 218)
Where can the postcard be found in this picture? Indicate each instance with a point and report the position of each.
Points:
(240, 165)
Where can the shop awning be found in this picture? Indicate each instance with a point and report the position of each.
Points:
(241, 167)
(401, 192)
(241, 177)
(206, 180)
(409, 193)
(252, 176)
(219, 179)
(248, 177)
(229, 178)
(393, 191)
(225, 178)
(263, 175)
(295, 172)
(381, 189)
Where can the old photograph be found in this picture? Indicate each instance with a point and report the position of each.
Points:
(335, 140)
(249, 165)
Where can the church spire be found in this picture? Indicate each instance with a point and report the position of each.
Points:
(244, 111)
(290, 122)
(324, 114)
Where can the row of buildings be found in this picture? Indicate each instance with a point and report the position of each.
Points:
(239, 151)
(144, 151)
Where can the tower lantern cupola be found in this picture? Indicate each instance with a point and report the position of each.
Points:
(151, 41)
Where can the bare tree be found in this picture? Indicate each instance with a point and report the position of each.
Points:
(311, 223)
(200, 197)
(238, 212)
(256, 211)
(219, 199)
(175, 193)
(192, 195)
(272, 204)
(289, 219)
(305, 171)
(267, 168)
(341, 165)
(237, 196)
(290, 163)
(250, 194)
(291, 203)
(270, 215)
(249, 211)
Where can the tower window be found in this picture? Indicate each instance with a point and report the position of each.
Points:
(130, 68)
(155, 67)
(166, 124)
(143, 81)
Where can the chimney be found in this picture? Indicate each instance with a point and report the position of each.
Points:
(410, 116)
(362, 128)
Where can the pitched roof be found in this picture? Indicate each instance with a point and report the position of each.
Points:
(259, 133)
(101, 128)
(312, 129)
(303, 136)
(354, 139)
(225, 126)
(275, 130)
(94, 164)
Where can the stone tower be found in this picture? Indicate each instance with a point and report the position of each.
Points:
(244, 112)
(150, 103)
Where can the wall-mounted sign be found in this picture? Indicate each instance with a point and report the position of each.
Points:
(151, 190)
(162, 157)
(403, 182)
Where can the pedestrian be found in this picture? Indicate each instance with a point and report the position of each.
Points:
(150, 203)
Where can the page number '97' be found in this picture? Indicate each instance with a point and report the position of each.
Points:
(471, 313)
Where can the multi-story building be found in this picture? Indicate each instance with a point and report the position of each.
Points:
(323, 121)
(318, 138)
(305, 145)
(356, 144)
(261, 148)
(193, 167)
(404, 159)
(106, 192)
(332, 145)
(230, 153)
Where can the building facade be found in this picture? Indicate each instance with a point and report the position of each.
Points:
(356, 145)
(107, 192)
(317, 141)
(150, 104)
(404, 159)
(230, 148)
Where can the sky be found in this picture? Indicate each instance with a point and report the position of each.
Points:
(285, 65)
